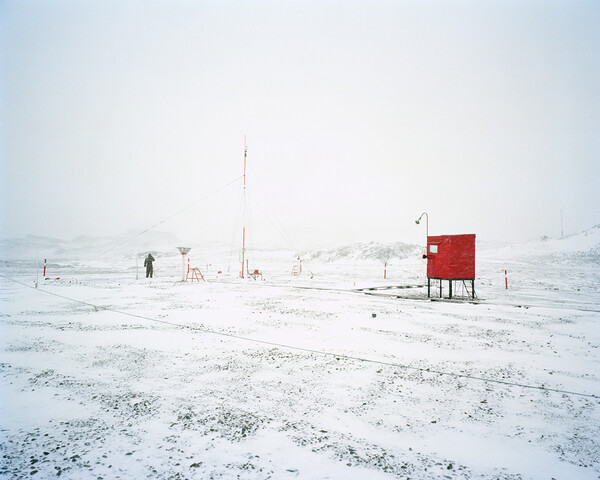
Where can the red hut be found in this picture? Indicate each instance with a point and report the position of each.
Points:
(452, 258)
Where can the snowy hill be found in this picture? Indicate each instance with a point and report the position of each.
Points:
(88, 247)
(580, 247)
(365, 251)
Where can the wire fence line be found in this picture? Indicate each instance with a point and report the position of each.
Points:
(338, 356)
(178, 212)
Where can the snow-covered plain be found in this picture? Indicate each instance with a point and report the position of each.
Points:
(298, 376)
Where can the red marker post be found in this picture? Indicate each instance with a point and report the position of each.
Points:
(384, 271)
(505, 280)
(44, 267)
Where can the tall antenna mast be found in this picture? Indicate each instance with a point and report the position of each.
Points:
(244, 210)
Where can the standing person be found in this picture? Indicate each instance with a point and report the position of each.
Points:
(148, 264)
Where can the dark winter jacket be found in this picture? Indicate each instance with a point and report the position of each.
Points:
(148, 261)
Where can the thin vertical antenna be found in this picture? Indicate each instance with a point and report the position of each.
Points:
(244, 209)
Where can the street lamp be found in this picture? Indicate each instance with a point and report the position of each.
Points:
(418, 220)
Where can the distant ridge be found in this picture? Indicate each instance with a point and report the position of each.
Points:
(86, 246)
(382, 252)
(579, 247)
(576, 242)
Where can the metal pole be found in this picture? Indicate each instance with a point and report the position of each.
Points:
(243, 248)
(244, 209)
(183, 267)
(417, 221)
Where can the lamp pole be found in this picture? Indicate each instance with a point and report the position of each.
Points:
(417, 221)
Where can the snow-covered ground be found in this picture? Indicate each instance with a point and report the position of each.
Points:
(106, 376)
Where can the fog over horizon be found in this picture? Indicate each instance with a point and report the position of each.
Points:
(358, 117)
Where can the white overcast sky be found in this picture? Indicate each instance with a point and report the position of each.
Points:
(359, 116)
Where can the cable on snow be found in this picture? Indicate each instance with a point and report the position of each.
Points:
(314, 351)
